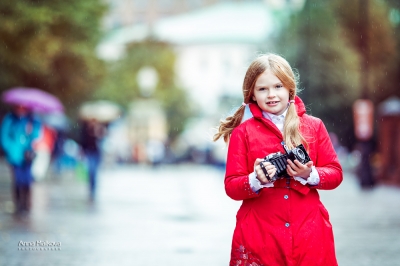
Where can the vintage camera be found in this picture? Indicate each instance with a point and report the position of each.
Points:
(280, 160)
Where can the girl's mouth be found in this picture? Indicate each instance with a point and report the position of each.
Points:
(275, 102)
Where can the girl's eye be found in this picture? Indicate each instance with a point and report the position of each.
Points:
(279, 86)
(261, 89)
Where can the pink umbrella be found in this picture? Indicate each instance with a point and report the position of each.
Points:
(32, 98)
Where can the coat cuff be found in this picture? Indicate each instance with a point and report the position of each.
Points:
(253, 188)
(312, 180)
(255, 184)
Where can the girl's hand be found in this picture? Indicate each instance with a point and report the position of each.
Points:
(259, 172)
(296, 168)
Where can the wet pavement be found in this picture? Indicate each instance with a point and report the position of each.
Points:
(173, 215)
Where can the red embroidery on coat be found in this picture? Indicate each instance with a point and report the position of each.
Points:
(242, 257)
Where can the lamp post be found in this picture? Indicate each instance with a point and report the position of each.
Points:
(147, 78)
(147, 117)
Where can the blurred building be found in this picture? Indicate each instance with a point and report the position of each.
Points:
(214, 43)
(128, 12)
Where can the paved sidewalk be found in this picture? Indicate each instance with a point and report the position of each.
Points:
(176, 215)
(366, 223)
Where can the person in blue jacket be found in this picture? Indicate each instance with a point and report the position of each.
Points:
(19, 129)
(92, 133)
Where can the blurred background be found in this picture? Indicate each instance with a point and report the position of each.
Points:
(152, 79)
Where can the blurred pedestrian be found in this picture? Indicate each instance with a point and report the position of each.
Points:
(19, 130)
(91, 135)
(58, 153)
(43, 148)
(155, 150)
(280, 222)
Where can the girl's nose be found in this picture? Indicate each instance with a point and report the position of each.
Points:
(271, 94)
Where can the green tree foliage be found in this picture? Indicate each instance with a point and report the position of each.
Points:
(121, 84)
(50, 44)
(394, 73)
(324, 42)
(327, 65)
(380, 42)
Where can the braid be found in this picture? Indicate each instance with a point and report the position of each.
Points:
(291, 132)
(226, 127)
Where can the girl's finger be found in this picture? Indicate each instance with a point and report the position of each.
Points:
(298, 163)
(292, 165)
(309, 164)
(270, 167)
(272, 173)
(290, 171)
(259, 160)
(262, 178)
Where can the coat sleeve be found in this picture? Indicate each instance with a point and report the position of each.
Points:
(237, 174)
(327, 163)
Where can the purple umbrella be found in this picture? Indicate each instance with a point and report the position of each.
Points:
(32, 98)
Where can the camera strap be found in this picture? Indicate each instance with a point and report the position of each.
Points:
(265, 171)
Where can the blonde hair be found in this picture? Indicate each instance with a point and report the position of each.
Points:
(280, 68)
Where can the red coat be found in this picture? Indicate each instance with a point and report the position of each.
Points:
(286, 224)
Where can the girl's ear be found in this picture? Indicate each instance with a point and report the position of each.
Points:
(254, 98)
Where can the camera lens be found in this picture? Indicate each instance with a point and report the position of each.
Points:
(300, 154)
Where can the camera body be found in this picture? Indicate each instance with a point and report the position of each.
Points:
(279, 160)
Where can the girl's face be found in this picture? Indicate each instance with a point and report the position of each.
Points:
(270, 94)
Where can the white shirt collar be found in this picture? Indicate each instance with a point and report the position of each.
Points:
(273, 117)
(278, 120)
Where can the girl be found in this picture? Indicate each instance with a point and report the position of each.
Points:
(281, 222)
